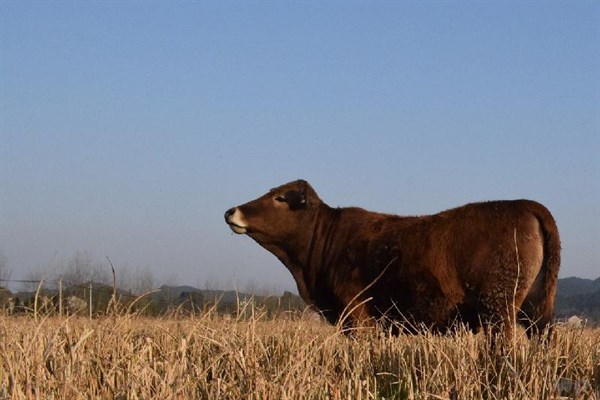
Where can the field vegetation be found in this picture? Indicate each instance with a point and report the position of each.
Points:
(289, 356)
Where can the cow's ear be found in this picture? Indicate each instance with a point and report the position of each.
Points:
(296, 200)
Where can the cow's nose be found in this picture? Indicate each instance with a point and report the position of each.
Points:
(229, 213)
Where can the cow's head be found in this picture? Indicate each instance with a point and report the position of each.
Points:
(278, 215)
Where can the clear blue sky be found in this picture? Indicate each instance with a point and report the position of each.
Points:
(128, 128)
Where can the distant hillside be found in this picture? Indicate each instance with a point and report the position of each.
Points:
(576, 296)
(225, 300)
(573, 286)
(222, 296)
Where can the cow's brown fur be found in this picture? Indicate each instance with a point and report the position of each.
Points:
(481, 264)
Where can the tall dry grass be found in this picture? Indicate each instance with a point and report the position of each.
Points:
(212, 357)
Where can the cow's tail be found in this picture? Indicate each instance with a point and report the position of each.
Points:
(538, 306)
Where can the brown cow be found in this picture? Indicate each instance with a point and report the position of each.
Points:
(480, 264)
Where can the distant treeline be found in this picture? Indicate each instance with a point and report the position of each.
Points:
(166, 300)
(575, 296)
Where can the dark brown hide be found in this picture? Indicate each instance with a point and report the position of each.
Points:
(482, 263)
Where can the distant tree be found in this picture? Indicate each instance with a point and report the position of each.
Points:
(290, 301)
(144, 281)
(5, 298)
(82, 268)
(210, 284)
(258, 288)
(140, 283)
(5, 294)
(33, 279)
(4, 272)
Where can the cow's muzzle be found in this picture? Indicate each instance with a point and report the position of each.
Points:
(234, 219)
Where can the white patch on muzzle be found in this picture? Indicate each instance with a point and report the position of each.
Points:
(236, 222)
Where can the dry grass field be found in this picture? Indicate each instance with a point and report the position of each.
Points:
(213, 357)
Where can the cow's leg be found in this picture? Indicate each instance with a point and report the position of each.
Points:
(537, 307)
(537, 310)
(499, 308)
(356, 319)
(512, 275)
(535, 320)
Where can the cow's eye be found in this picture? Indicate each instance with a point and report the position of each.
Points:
(280, 199)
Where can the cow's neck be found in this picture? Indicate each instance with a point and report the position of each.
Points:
(306, 259)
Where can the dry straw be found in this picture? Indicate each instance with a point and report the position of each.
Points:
(253, 357)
